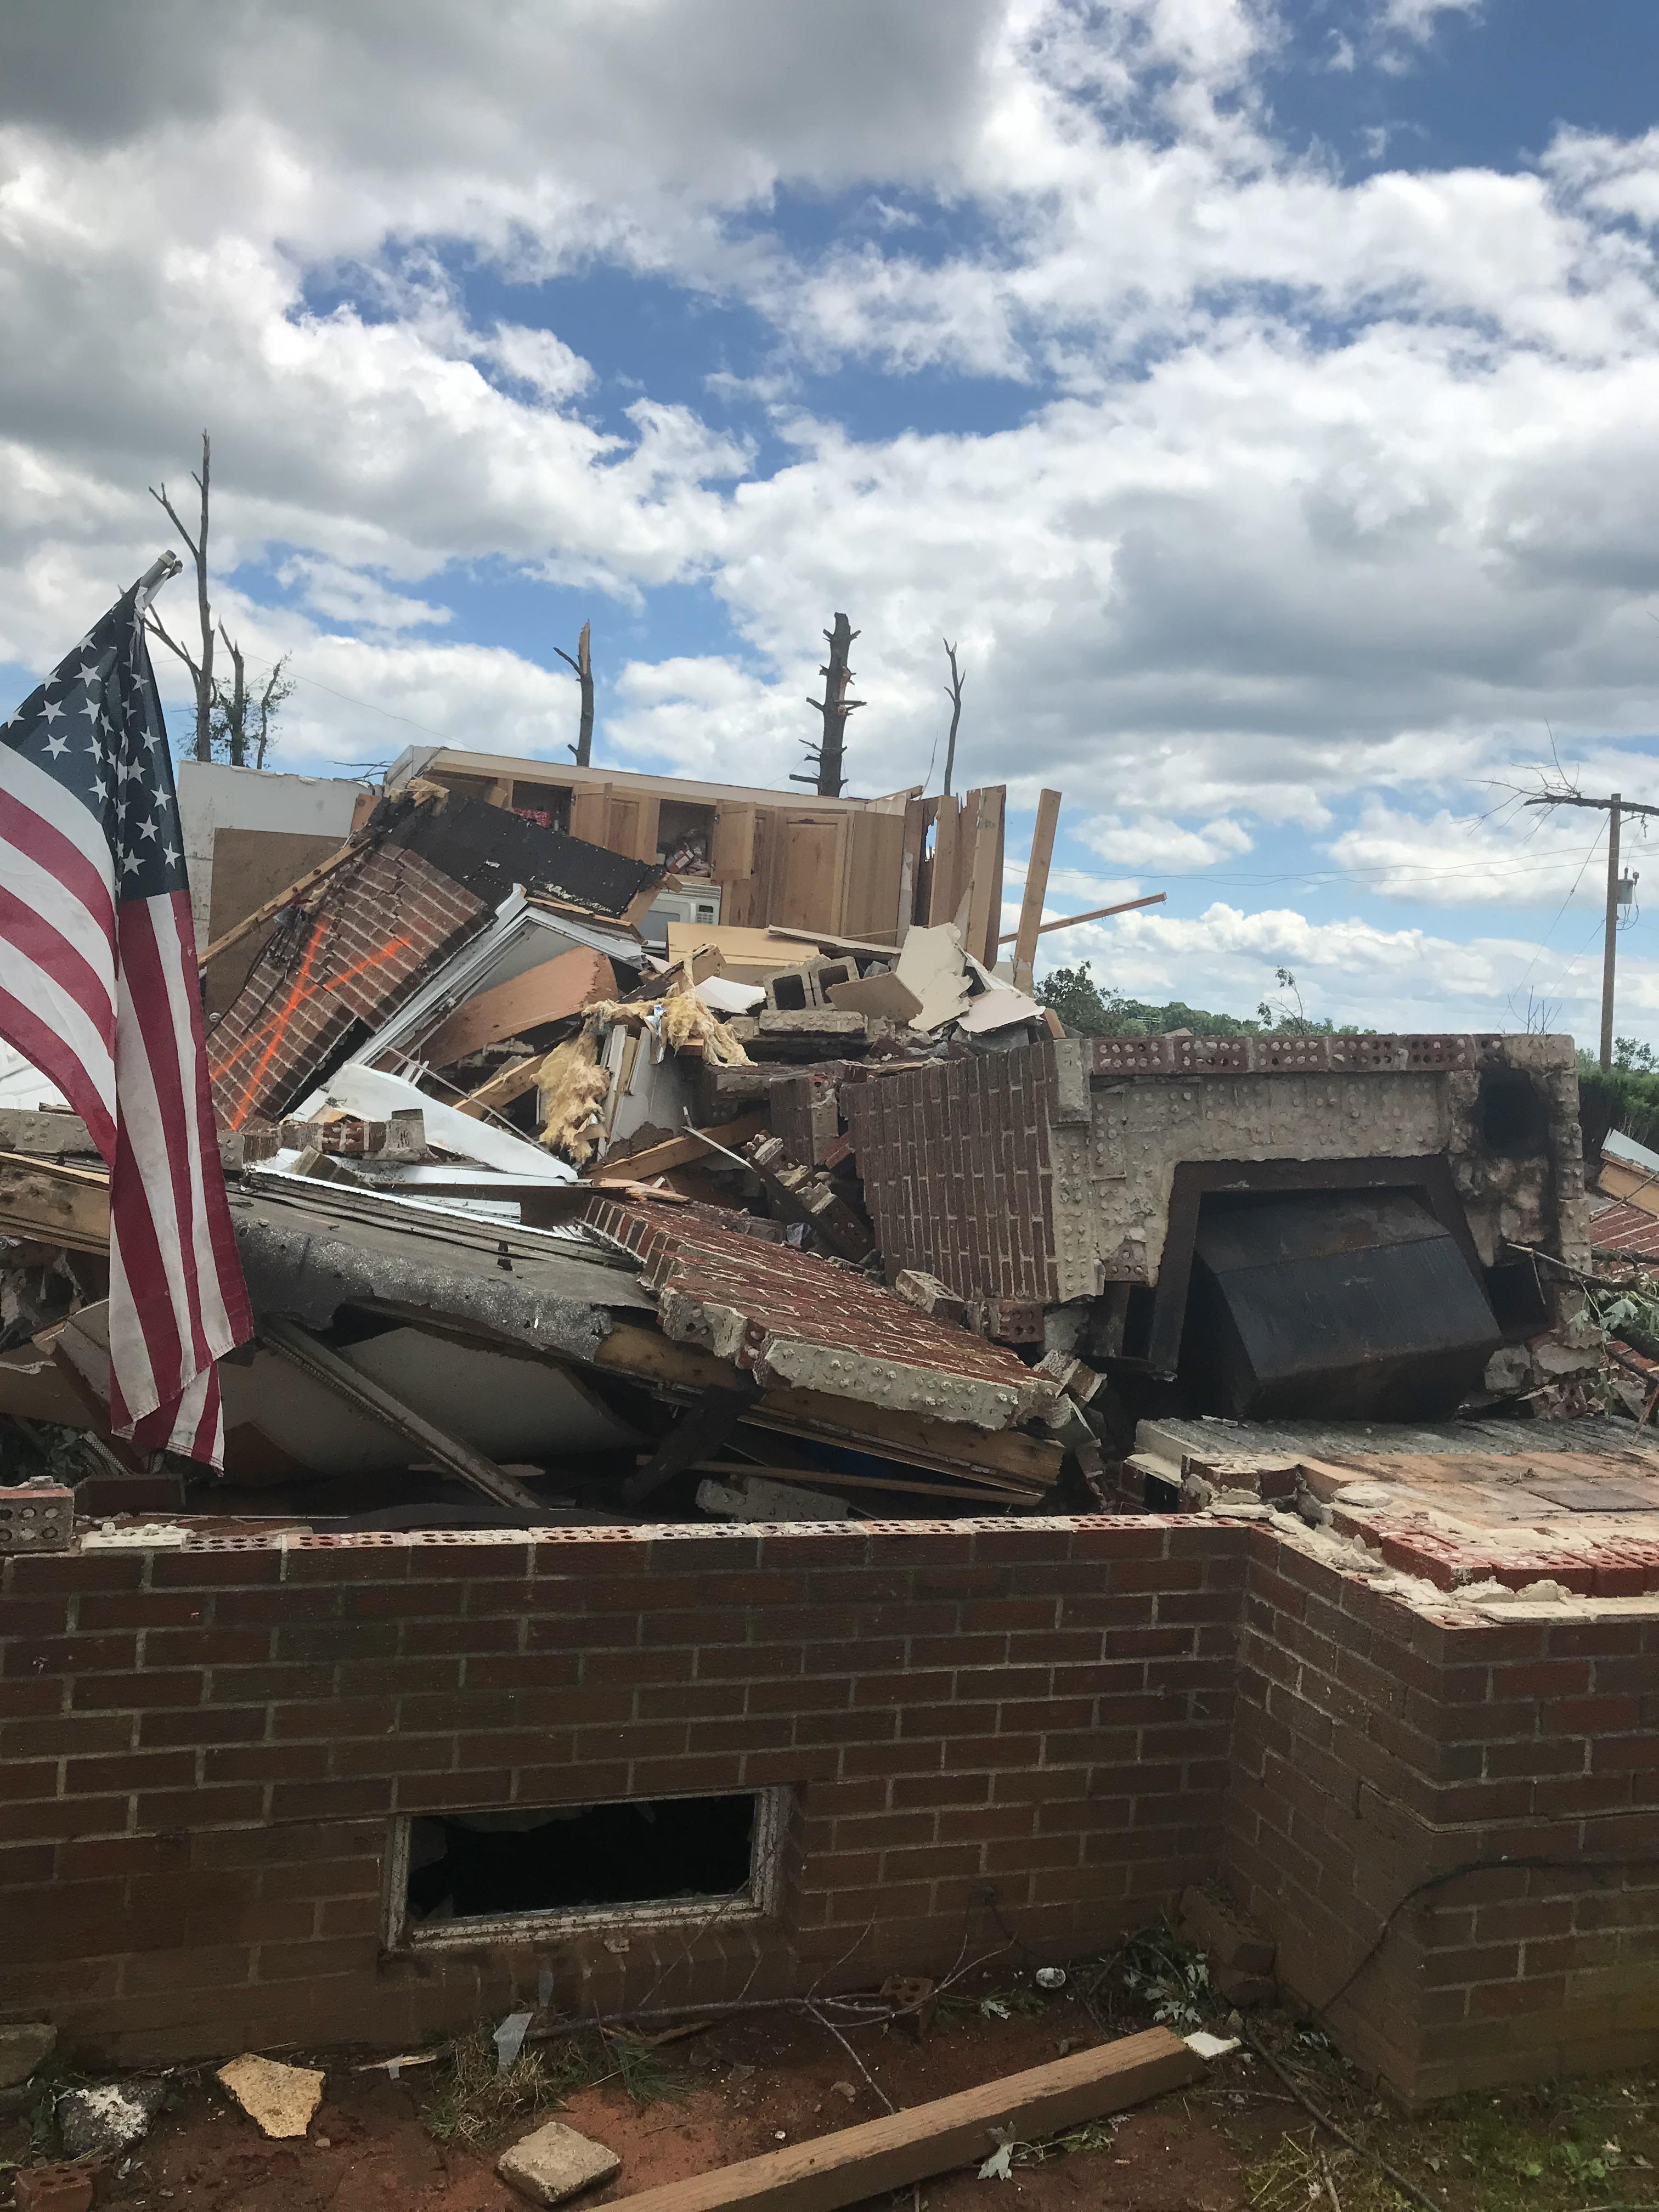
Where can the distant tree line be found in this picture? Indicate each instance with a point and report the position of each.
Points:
(1088, 1011)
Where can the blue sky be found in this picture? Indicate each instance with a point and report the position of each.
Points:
(1261, 396)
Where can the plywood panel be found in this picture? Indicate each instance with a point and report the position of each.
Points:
(549, 992)
(249, 867)
(875, 856)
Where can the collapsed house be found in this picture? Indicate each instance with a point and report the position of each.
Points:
(762, 1461)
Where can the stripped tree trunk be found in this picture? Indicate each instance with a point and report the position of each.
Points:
(583, 665)
(828, 754)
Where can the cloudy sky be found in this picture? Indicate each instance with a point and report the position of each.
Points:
(1265, 398)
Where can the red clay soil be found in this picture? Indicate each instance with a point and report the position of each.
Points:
(743, 2085)
(746, 2082)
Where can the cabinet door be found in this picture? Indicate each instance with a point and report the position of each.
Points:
(633, 826)
(875, 862)
(590, 813)
(807, 873)
(732, 862)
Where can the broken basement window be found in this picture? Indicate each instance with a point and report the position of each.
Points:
(467, 1877)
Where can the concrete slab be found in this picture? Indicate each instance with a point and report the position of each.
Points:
(555, 2163)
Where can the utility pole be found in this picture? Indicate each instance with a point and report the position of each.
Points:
(1610, 932)
(1615, 807)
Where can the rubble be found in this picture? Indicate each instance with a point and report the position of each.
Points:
(548, 1214)
(96, 2122)
(555, 2162)
(22, 2048)
(281, 2101)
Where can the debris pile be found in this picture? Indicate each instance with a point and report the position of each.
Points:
(547, 1215)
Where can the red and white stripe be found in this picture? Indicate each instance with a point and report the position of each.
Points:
(102, 999)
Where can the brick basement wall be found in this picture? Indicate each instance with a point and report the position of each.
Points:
(954, 1162)
(203, 1749)
(1045, 1726)
(384, 922)
(1378, 1745)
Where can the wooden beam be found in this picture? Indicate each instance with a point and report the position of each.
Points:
(645, 1356)
(507, 1084)
(679, 1151)
(1036, 888)
(1095, 914)
(54, 1204)
(856, 2164)
(968, 1487)
(301, 888)
(1007, 1456)
(302, 1350)
(1032, 1463)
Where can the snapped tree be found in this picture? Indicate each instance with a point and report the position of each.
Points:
(583, 665)
(200, 667)
(953, 693)
(229, 724)
(830, 753)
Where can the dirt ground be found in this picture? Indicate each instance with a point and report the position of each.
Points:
(1236, 2142)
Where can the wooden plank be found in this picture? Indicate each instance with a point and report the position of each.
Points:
(651, 1358)
(302, 1350)
(53, 1203)
(590, 814)
(946, 1446)
(1095, 914)
(967, 1486)
(747, 955)
(507, 1084)
(823, 941)
(1028, 1463)
(482, 768)
(984, 884)
(942, 893)
(858, 2163)
(678, 1152)
(1036, 890)
(548, 992)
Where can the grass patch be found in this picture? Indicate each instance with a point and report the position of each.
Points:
(476, 2104)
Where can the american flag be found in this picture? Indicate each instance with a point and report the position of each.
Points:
(97, 988)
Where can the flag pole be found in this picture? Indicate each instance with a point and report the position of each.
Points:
(160, 570)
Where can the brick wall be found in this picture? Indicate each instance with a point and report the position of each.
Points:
(384, 920)
(958, 1177)
(1379, 1745)
(1044, 1727)
(203, 1751)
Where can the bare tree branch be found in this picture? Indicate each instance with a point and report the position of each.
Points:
(953, 693)
(201, 671)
